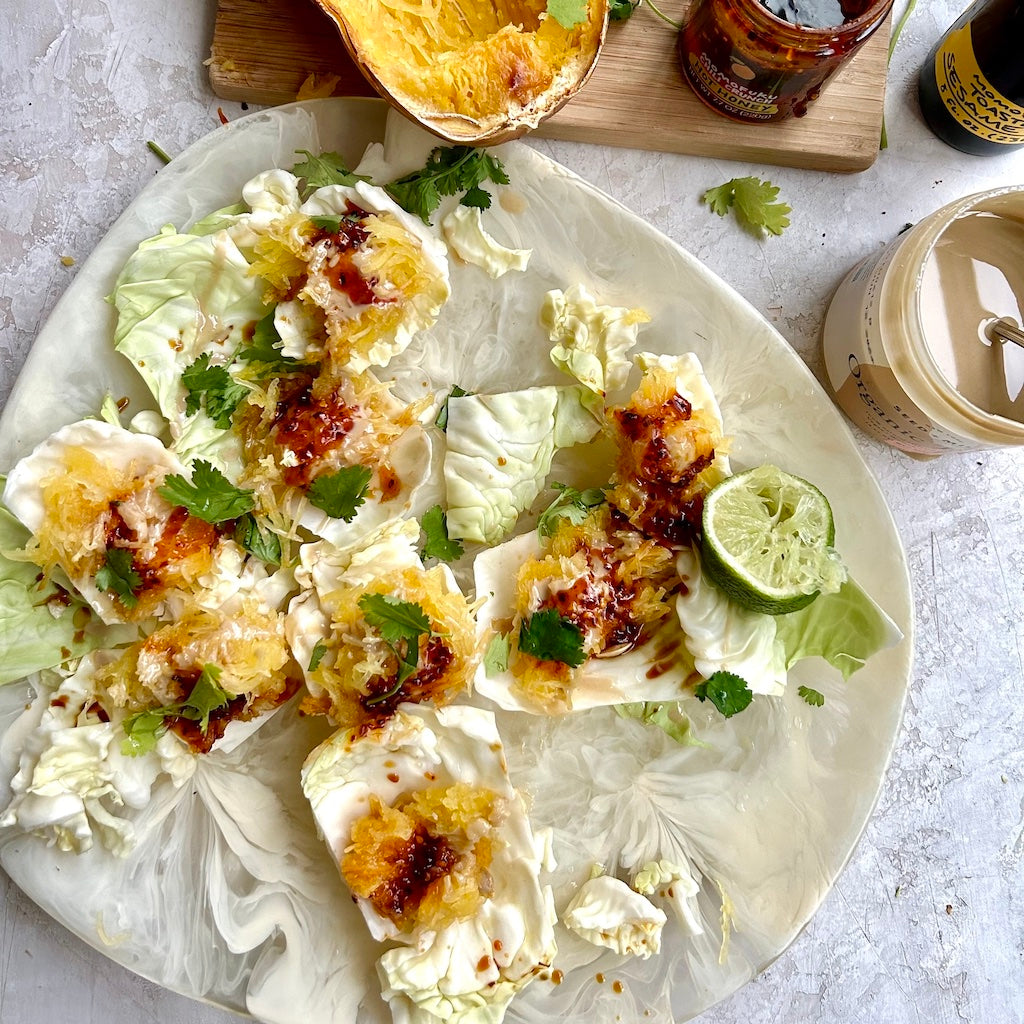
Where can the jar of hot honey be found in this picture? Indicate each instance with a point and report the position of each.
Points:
(760, 61)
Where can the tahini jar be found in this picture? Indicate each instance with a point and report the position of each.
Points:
(908, 339)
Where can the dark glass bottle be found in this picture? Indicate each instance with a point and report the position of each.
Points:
(971, 86)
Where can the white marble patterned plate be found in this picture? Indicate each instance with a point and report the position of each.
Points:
(232, 898)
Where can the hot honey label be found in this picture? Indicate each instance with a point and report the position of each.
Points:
(970, 97)
(730, 91)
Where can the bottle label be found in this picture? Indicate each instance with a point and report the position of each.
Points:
(969, 96)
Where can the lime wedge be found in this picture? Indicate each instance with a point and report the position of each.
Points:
(767, 541)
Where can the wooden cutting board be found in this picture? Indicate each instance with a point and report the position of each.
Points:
(264, 50)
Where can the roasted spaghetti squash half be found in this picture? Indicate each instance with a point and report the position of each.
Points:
(471, 72)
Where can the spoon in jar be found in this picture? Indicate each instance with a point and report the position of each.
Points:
(1004, 329)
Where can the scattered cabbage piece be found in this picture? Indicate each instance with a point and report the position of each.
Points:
(590, 340)
(499, 453)
(607, 912)
(224, 218)
(464, 232)
(665, 715)
(74, 784)
(675, 883)
(451, 968)
(298, 329)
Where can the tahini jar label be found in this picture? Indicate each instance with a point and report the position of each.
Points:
(865, 386)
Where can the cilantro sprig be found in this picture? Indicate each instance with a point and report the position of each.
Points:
(212, 388)
(727, 691)
(325, 169)
(209, 496)
(400, 624)
(753, 202)
(340, 494)
(448, 171)
(118, 576)
(437, 543)
(144, 729)
(549, 637)
(570, 504)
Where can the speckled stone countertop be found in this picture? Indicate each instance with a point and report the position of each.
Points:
(926, 923)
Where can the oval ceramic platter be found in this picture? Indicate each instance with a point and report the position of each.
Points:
(232, 897)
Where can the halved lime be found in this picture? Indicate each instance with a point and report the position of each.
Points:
(767, 541)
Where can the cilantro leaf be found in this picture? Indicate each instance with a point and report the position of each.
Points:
(720, 198)
(813, 697)
(753, 202)
(448, 171)
(400, 624)
(207, 696)
(438, 544)
(568, 13)
(441, 420)
(569, 504)
(317, 655)
(340, 494)
(393, 618)
(265, 348)
(549, 637)
(622, 10)
(727, 691)
(327, 223)
(214, 388)
(497, 654)
(118, 575)
(325, 169)
(144, 729)
(257, 540)
(333, 222)
(476, 197)
(210, 496)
